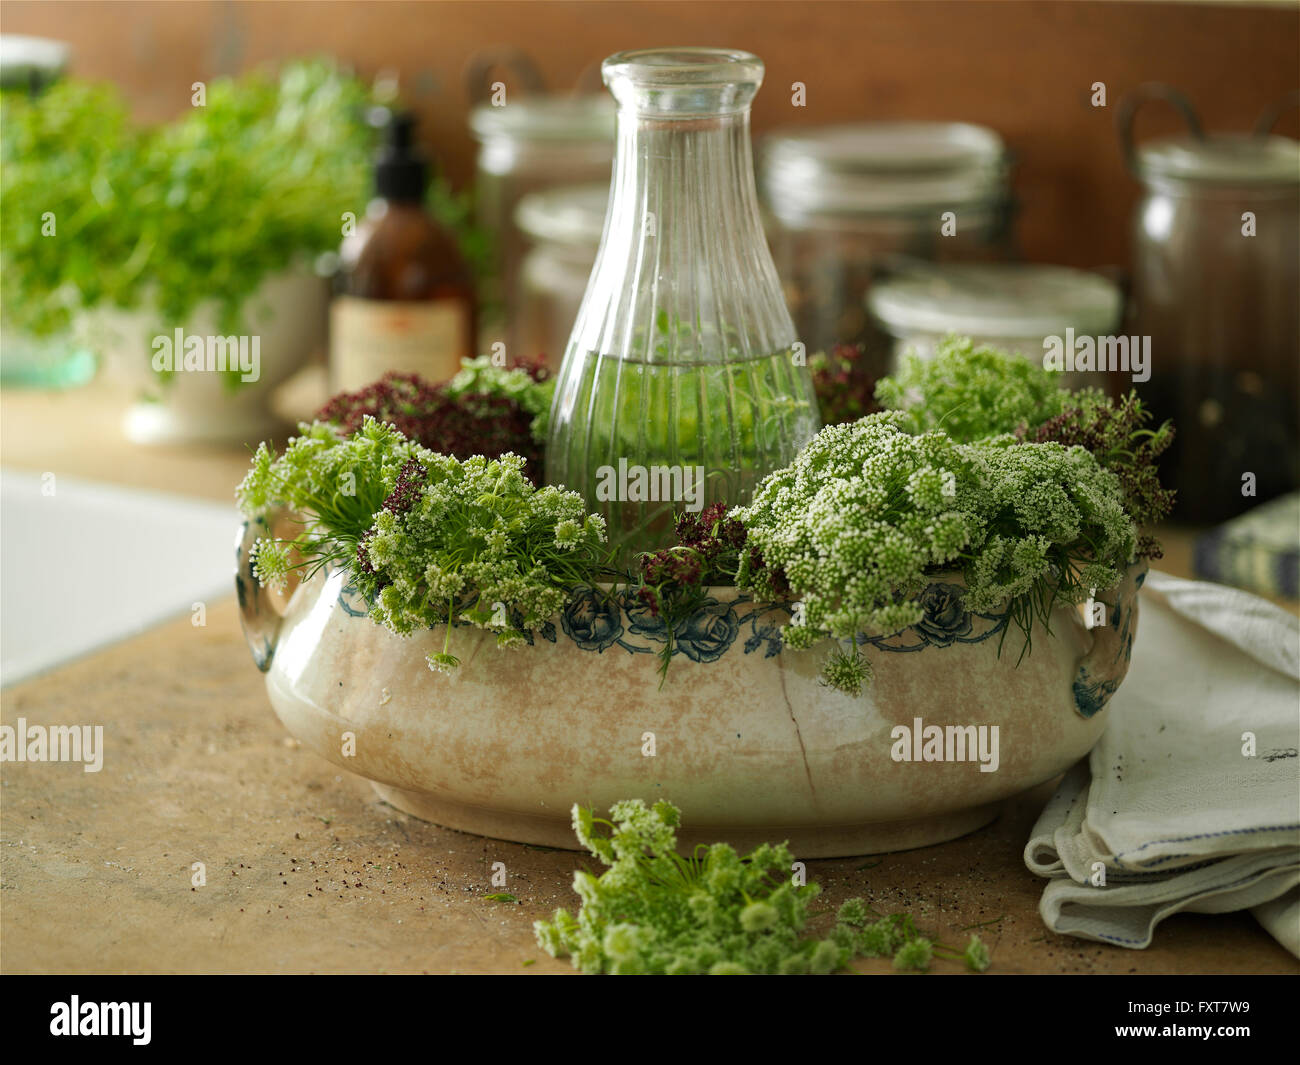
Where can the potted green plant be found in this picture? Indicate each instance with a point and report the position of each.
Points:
(184, 254)
(897, 592)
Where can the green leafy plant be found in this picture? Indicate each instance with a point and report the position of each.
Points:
(254, 181)
(333, 483)
(1116, 434)
(868, 513)
(68, 169)
(530, 385)
(971, 392)
(427, 539)
(202, 208)
(656, 912)
(848, 536)
(975, 393)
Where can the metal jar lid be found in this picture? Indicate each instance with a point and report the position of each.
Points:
(1199, 158)
(572, 215)
(30, 61)
(997, 300)
(1222, 158)
(882, 168)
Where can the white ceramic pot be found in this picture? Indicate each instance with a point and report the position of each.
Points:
(746, 740)
(287, 315)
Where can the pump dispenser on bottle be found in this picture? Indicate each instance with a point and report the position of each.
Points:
(406, 297)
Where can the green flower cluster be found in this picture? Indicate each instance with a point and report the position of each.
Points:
(332, 484)
(848, 671)
(977, 393)
(973, 392)
(1050, 515)
(478, 542)
(654, 912)
(873, 936)
(868, 513)
(426, 538)
(480, 377)
(855, 523)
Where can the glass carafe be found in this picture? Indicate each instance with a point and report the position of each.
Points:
(682, 383)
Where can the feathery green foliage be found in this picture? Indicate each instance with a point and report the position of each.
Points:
(654, 912)
(866, 516)
(971, 392)
(201, 208)
(427, 539)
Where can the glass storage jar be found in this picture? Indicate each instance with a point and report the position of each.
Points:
(1216, 279)
(530, 144)
(680, 385)
(1013, 307)
(850, 203)
(563, 226)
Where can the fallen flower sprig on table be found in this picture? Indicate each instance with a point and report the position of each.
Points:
(655, 912)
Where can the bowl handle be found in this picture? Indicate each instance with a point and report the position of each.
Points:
(260, 610)
(1103, 668)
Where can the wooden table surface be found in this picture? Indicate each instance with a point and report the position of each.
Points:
(306, 871)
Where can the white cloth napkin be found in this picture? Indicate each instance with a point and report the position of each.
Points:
(1167, 807)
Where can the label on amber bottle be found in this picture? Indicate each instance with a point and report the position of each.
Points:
(368, 338)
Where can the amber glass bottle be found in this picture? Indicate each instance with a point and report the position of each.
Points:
(405, 298)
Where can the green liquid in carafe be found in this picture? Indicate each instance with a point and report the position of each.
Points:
(644, 440)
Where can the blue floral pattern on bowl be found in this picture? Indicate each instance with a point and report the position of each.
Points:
(703, 637)
(598, 620)
(945, 621)
(946, 618)
(706, 634)
(592, 620)
(640, 621)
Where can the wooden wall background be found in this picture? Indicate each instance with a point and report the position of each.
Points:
(1023, 68)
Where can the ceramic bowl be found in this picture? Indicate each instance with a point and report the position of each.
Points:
(741, 734)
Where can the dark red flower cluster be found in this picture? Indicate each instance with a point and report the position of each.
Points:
(461, 426)
(1117, 436)
(405, 494)
(780, 585)
(846, 389)
(705, 553)
(410, 483)
(363, 557)
(710, 532)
